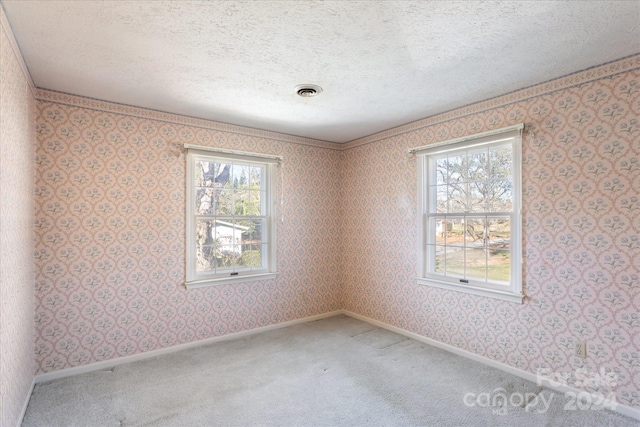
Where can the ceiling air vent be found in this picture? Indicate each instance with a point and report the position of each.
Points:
(308, 91)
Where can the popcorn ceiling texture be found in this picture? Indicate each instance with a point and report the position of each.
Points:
(17, 146)
(581, 200)
(381, 63)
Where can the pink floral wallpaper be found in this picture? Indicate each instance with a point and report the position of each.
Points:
(581, 180)
(110, 242)
(17, 146)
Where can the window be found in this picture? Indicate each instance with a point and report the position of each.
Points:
(230, 216)
(469, 214)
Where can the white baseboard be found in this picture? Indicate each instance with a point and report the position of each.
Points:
(619, 408)
(26, 403)
(106, 364)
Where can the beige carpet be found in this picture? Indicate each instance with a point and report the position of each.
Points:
(333, 372)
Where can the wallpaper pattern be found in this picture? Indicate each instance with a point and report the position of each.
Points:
(17, 146)
(581, 181)
(144, 113)
(110, 197)
(110, 234)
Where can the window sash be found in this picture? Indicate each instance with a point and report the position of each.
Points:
(234, 247)
(489, 246)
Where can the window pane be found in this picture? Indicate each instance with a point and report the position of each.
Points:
(457, 198)
(210, 173)
(205, 200)
(245, 202)
(500, 195)
(477, 165)
(253, 233)
(441, 171)
(206, 246)
(224, 205)
(206, 258)
(206, 187)
(255, 177)
(229, 257)
(205, 173)
(227, 234)
(499, 265)
(440, 230)
(475, 232)
(455, 261)
(242, 203)
(234, 174)
(259, 202)
(457, 171)
(440, 259)
(500, 179)
(441, 198)
(455, 232)
(499, 234)
(253, 244)
(500, 167)
(476, 201)
(219, 244)
(475, 263)
(252, 256)
(239, 176)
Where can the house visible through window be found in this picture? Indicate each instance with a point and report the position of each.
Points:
(230, 224)
(470, 222)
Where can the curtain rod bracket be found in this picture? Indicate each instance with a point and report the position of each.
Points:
(528, 128)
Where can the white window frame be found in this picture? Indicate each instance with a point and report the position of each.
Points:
(511, 292)
(196, 279)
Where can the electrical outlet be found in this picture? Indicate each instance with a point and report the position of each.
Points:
(580, 350)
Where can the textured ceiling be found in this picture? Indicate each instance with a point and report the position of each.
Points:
(381, 63)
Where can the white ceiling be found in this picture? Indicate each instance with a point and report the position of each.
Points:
(381, 63)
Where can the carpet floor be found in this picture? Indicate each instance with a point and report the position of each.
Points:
(338, 371)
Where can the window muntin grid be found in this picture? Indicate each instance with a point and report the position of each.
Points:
(470, 193)
(230, 207)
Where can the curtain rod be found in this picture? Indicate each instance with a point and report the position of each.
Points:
(520, 126)
(240, 153)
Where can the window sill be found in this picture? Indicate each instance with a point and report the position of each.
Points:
(194, 284)
(474, 290)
